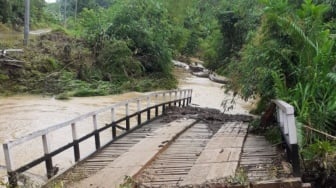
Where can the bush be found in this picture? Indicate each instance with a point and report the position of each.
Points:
(63, 96)
(86, 92)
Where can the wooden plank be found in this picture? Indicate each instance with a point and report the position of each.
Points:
(179, 158)
(181, 166)
(167, 177)
(220, 156)
(108, 153)
(258, 157)
(220, 170)
(172, 170)
(288, 183)
(138, 155)
(197, 175)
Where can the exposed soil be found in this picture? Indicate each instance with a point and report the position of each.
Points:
(205, 114)
(214, 117)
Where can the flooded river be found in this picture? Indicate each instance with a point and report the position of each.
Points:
(21, 115)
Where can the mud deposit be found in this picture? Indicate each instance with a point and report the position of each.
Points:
(213, 117)
(205, 114)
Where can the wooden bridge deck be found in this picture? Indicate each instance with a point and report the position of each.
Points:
(105, 156)
(185, 152)
(261, 160)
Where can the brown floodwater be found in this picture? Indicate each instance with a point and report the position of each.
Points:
(209, 94)
(21, 115)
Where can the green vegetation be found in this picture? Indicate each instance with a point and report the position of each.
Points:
(291, 56)
(12, 13)
(269, 48)
(321, 156)
(240, 178)
(283, 49)
(128, 182)
(106, 50)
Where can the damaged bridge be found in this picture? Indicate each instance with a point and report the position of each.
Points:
(161, 141)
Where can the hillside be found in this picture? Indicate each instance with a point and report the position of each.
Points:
(57, 63)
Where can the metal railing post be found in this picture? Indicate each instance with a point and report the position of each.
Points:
(138, 110)
(184, 98)
(148, 109)
(95, 127)
(170, 98)
(156, 107)
(75, 142)
(164, 101)
(114, 130)
(127, 117)
(12, 176)
(48, 160)
(179, 98)
(190, 96)
(286, 121)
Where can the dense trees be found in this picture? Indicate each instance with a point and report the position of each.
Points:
(290, 57)
(269, 48)
(141, 35)
(12, 11)
(70, 8)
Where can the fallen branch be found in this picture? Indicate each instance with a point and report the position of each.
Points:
(4, 52)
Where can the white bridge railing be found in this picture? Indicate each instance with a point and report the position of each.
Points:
(286, 121)
(146, 107)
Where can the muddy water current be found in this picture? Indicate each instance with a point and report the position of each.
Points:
(21, 115)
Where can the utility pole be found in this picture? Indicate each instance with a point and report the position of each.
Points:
(65, 12)
(26, 22)
(59, 9)
(76, 10)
